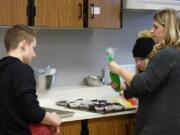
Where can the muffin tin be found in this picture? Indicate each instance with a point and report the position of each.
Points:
(95, 105)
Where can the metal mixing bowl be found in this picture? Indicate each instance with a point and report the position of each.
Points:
(93, 80)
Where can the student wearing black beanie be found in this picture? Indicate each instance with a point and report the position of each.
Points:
(141, 50)
(142, 47)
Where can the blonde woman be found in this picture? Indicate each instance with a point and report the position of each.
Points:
(157, 87)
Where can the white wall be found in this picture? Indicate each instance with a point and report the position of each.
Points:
(77, 53)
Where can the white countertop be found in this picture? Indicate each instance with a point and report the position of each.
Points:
(50, 97)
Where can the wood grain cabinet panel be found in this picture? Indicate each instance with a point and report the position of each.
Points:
(62, 13)
(13, 12)
(70, 128)
(109, 15)
(59, 13)
(115, 125)
(109, 126)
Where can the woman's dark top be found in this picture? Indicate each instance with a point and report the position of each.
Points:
(158, 90)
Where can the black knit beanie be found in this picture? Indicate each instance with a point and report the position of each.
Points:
(143, 47)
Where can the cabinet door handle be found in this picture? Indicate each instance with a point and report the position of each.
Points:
(80, 9)
(92, 11)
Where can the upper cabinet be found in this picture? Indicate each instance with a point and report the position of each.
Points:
(78, 13)
(62, 13)
(13, 12)
(59, 13)
(104, 14)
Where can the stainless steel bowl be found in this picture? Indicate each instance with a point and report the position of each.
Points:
(93, 80)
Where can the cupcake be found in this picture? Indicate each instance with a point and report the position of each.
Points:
(102, 101)
(109, 107)
(99, 107)
(83, 106)
(94, 101)
(62, 103)
(117, 107)
(74, 104)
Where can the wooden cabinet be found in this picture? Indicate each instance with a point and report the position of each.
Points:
(78, 13)
(62, 13)
(13, 12)
(70, 128)
(114, 125)
(117, 125)
(104, 14)
(59, 13)
(108, 126)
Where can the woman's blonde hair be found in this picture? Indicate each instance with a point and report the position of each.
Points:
(170, 20)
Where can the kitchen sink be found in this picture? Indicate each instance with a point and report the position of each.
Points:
(61, 113)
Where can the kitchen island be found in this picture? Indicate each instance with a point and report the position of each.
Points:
(89, 123)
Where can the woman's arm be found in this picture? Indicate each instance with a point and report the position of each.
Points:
(156, 72)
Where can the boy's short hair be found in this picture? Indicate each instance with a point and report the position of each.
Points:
(16, 34)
